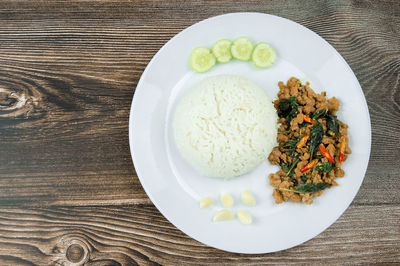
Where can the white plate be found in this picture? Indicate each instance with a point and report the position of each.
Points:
(176, 188)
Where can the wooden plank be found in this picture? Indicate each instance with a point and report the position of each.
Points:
(68, 73)
(68, 70)
(139, 234)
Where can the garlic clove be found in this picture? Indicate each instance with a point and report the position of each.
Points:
(227, 200)
(205, 202)
(248, 198)
(223, 215)
(244, 217)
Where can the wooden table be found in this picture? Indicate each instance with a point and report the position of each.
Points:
(68, 190)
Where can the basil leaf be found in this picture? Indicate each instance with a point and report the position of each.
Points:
(312, 188)
(309, 188)
(316, 135)
(333, 124)
(288, 108)
(304, 178)
(320, 113)
(325, 167)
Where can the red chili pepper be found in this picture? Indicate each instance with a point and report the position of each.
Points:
(309, 165)
(325, 153)
(309, 119)
(342, 149)
(302, 141)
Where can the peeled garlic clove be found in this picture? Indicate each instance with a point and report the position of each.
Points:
(227, 200)
(205, 202)
(223, 215)
(248, 198)
(244, 217)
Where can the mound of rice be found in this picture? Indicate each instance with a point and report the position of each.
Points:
(225, 126)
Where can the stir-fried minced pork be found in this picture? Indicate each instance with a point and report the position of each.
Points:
(313, 143)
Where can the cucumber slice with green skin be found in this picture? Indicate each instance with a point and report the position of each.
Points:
(222, 50)
(242, 48)
(263, 55)
(201, 59)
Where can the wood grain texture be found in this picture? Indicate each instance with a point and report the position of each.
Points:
(140, 235)
(68, 71)
(67, 83)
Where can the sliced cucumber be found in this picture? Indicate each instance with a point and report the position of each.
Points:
(222, 50)
(241, 48)
(201, 59)
(263, 55)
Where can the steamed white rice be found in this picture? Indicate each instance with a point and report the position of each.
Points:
(225, 126)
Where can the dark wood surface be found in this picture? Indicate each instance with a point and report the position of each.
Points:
(68, 189)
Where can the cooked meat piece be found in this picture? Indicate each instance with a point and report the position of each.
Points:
(301, 100)
(309, 108)
(339, 172)
(281, 121)
(316, 178)
(284, 157)
(331, 175)
(306, 131)
(277, 196)
(305, 156)
(331, 149)
(282, 128)
(317, 194)
(342, 129)
(274, 180)
(309, 92)
(284, 91)
(295, 197)
(286, 195)
(293, 82)
(294, 90)
(294, 124)
(281, 173)
(333, 105)
(298, 173)
(284, 184)
(319, 105)
(282, 137)
(274, 156)
(320, 98)
(307, 199)
(328, 140)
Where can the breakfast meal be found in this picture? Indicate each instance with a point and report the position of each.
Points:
(312, 143)
(225, 126)
(202, 59)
